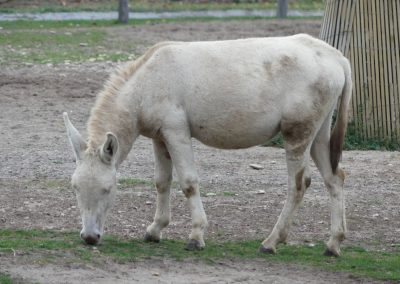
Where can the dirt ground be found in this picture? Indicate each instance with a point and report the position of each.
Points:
(36, 164)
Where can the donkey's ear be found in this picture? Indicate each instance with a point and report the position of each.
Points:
(109, 150)
(75, 138)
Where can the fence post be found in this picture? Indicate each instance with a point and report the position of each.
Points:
(282, 8)
(368, 33)
(123, 11)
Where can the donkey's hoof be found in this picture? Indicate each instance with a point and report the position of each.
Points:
(151, 239)
(193, 245)
(328, 252)
(265, 250)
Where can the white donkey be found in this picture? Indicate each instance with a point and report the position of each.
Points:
(227, 94)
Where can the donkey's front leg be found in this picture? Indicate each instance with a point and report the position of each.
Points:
(180, 147)
(163, 178)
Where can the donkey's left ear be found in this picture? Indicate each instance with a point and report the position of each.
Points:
(78, 144)
(109, 150)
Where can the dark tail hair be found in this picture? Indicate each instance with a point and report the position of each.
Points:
(339, 130)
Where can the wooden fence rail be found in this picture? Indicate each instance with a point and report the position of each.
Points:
(368, 33)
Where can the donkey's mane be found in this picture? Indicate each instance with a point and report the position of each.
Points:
(104, 115)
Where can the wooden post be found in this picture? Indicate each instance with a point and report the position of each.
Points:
(368, 33)
(282, 8)
(123, 11)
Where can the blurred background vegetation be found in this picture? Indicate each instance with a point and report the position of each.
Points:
(150, 5)
(64, 42)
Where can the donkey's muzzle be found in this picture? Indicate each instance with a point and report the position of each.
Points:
(91, 239)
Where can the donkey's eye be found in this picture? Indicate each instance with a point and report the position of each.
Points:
(106, 191)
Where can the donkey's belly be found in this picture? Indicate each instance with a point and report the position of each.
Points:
(234, 133)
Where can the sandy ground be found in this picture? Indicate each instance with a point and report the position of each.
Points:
(37, 162)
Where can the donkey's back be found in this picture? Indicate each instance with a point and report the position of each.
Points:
(240, 93)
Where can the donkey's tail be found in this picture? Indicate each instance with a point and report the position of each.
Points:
(339, 130)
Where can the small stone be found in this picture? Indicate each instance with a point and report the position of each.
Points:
(149, 202)
(375, 215)
(83, 44)
(386, 219)
(311, 245)
(261, 192)
(256, 166)
(211, 194)
(156, 274)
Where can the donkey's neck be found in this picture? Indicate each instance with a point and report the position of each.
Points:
(109, 116)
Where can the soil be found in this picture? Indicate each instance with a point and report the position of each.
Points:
(37, 162)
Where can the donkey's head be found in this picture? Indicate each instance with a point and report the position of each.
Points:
(94, 180)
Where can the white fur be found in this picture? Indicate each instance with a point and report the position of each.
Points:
(227, 94)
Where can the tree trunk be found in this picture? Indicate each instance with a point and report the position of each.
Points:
(123, 11)
(282, 8)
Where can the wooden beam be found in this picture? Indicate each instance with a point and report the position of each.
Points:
(123, 11)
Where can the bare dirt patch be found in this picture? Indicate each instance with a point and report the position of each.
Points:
(37, 162)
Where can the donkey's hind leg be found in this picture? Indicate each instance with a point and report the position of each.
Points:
(297, 158)
(163, 178)
(320, 152)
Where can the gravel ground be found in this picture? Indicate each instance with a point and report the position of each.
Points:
(37, 162)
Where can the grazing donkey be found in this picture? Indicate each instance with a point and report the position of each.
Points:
(227, 94)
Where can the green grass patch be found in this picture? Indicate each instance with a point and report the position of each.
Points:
(57, 183)
(61, 46)
(354, 260)
(5, 278)
(169, 5)
(276, 141)
(355, 140)
(49, 244)
(133, 182)
(44, 25)
(229, 194)
(55, 42)
(27, 24)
